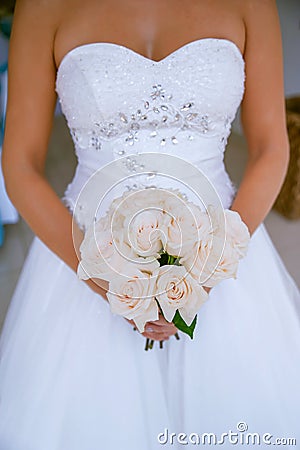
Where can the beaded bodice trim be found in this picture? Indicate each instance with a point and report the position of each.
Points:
(108, 91)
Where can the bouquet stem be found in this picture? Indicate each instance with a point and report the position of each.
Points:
(150, 342)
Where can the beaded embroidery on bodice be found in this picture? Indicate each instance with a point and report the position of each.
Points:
(118, 102)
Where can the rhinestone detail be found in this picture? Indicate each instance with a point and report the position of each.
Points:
(157, 115)
(159, 102)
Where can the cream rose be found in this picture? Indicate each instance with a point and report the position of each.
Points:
(177, 290)
(218, 258)
(133, 201)
(237, 232)
(96, 250)
(188, 226)
(231, 227)
(104, 255)
(132, 296)
(211, 264)
(145, 232)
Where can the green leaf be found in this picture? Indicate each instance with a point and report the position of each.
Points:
(171, 260)
(163, 260)
(182, 326)
(168, 260)
(174, 260)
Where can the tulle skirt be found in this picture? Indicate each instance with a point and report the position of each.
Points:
(74, 376)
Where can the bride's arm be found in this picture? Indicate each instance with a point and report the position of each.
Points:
(263, 114)
(29, 120)
(30, 110)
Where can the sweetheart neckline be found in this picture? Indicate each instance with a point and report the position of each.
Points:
(145, 58)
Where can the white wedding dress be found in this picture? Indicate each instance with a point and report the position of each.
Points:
(74, 376)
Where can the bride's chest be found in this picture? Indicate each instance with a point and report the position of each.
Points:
(106, 82)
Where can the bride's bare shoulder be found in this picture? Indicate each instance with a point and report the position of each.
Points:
(37, 17)
(263, 107)
(262, 26)
(256, 4)
(49, 10)
(33, 29)
(258, 12)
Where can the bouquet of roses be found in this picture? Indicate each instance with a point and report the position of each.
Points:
(158, 252)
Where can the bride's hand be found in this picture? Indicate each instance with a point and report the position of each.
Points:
(158, 330)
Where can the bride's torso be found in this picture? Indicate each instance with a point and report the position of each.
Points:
(119, 102)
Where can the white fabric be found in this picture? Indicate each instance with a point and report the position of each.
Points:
(73, 376)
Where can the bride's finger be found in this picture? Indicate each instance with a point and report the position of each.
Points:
(156, 336)
(160, 329)
(162, 323)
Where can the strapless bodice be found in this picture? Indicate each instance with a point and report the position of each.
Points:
(118, 103)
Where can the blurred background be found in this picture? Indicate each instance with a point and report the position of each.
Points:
(283, 222)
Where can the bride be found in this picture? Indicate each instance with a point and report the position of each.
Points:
(74, 376)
